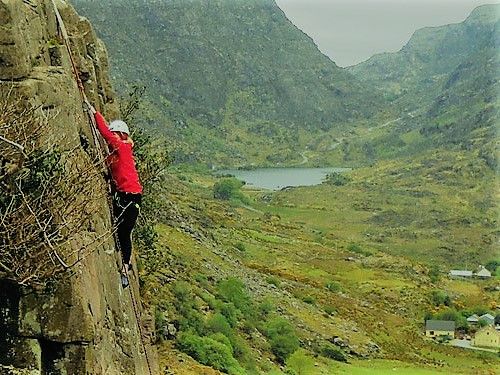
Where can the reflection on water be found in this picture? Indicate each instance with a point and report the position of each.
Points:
(278, 178)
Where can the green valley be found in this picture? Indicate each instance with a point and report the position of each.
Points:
(336, 278)
(353, 275)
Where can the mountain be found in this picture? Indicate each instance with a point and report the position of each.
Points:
(423, 65)
(227, 78)
(442, 88)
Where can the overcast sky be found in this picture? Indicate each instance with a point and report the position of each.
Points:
(350, 31)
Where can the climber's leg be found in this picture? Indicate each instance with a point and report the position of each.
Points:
(128, 212)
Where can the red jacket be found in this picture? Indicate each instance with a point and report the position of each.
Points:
(121, 160)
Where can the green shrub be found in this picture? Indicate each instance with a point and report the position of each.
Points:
(190, 318)
(201, 279)
(265, 308)
(233, 290)
(160, 324)
(228, 188)
(273, 280)
(333, 286)
(355, 248)
(434, 274)
(330, 351)
(439, 298)
(282, 337)
(330, 310)
(182, 291)
(492, 266)
(240, 246)
(300, 363)
(220, 337)
(337, 179)
(231, 313)
(218, 324)
(309, 299)
(209, 351)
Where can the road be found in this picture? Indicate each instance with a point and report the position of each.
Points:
(384, 125)
(466, 344)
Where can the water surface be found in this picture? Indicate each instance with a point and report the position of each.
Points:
(279, 178)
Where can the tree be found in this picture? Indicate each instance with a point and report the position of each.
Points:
(282, 337)
(228, 188)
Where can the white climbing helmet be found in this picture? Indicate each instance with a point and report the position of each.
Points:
(119, 126)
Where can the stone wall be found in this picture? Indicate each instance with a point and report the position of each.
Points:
(85, 324)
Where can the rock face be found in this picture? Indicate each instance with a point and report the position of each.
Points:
(83, 324)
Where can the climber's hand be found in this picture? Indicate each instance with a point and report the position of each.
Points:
(89, 107)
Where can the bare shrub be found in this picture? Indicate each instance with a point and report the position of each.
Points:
(48, 197)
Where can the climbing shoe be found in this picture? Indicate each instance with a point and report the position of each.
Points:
(124, 280)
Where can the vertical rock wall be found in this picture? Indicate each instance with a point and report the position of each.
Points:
(86, 323)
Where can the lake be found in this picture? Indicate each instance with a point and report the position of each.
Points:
(278, 178)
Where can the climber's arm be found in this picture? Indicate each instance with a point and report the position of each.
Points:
(102, 126)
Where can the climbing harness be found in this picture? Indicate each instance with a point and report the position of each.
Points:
(102, 152)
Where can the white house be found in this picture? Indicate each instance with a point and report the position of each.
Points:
(483, 273)
(460, 273)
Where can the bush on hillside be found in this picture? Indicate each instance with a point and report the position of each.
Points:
(337, 179)
(228, 188)
(333, 286)
(231, 313)
(434, 274)
(218, 324)
(330, 351)
(300, 363)
(492, 266)
(209, 351)
(282, 337)
(233, 290)
(189, 316)
(439, 298)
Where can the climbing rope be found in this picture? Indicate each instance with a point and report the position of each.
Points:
(102, 152)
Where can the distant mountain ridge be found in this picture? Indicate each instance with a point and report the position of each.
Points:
(431, 54)
(443, 85)
(235, 83)
(221, 73)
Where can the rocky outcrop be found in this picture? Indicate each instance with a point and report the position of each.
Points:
(84, 323)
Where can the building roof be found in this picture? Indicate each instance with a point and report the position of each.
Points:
(439, 325)
(473, 318)
(483, 272)
(487, 317)
(461, 273)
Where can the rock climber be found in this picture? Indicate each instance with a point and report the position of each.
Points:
(127, 189)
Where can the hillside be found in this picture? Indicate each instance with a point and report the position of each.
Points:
(225, 79)
(351, 268)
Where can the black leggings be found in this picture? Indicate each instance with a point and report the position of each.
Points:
(126, 209)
